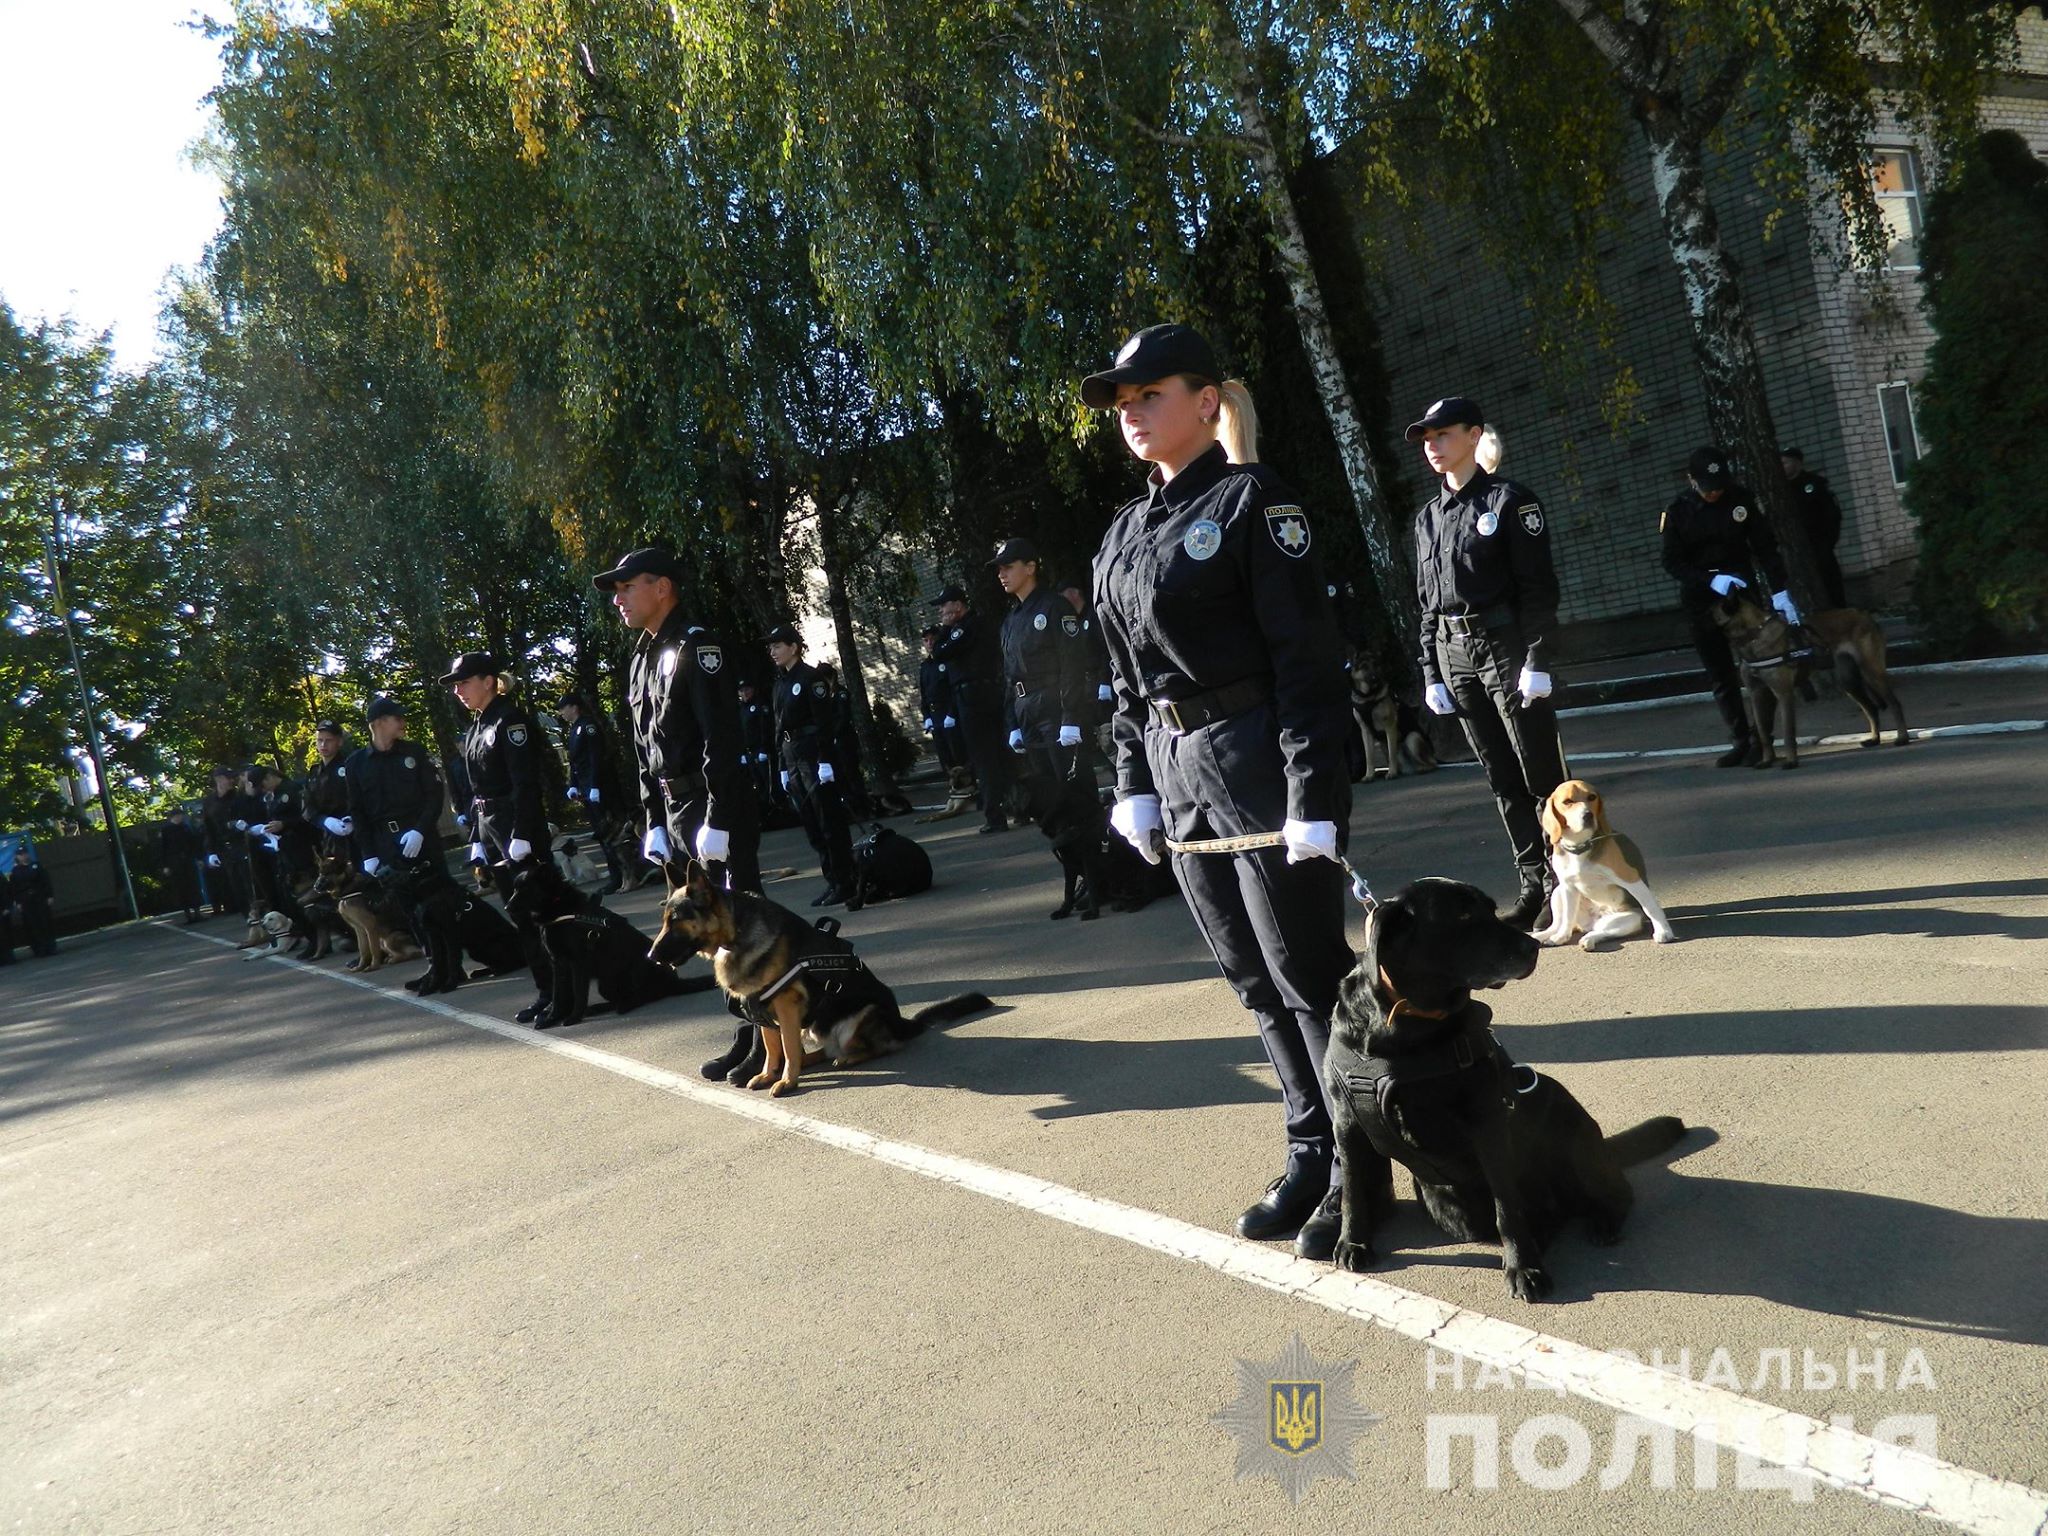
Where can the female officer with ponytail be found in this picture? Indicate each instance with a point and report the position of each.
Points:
(1229, 717)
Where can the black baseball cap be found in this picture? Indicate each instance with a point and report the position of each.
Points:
(1709, 469)
(328, 728)
(931, 632)
(471, 664)
(1793, 453)
(1451, 411)
(783, 634)
(1156, 352)
(1014, 549)
(651, 561)
(950, 595)
(382, 706)
(223, 771)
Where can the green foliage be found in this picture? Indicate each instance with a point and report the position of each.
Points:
(1981, 492)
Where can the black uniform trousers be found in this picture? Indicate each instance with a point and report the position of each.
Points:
(823, 814)
(682, 818)
(230, 882)
(491, 824)
(1515, 740)
(1276, 929)
(181, 880)
(1723, 675)
(980, 706)
(39, 926)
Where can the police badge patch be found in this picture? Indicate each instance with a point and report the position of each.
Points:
(411, 762)
(1038, 621)
(1488, 521)
(1532, 519)
(818, 690)
(516, 735)
(1202, 540)
(1289, 527)
(1070, 627)
(1740, 514)
(710, 658)
(796, 690)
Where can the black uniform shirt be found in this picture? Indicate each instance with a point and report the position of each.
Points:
(400, 786)
(1819, 512)
(1208, 580)
(1045, 662)
(585, 743)
(1704, 539)
(1485, 546)
(501, 754)
(757, 728)
(970, 653)
(327, 789)
(686, 721)
(181, 843)
(934, 691)
(807, 717)
(219, 816)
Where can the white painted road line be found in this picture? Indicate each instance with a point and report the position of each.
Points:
(1892, 1475)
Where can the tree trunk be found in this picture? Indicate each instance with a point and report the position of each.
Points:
(839, 603)
(1390, 575)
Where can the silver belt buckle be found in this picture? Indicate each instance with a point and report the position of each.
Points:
(1171, 710)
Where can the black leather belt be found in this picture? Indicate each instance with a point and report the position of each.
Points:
(683, 789)
(1183, 715)
(1451, 626)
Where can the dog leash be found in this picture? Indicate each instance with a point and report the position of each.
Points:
(1361, 891)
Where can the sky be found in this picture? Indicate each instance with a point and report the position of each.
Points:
(99, 106)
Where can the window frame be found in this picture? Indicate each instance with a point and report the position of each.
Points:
(1905, 386)
(1915, 196)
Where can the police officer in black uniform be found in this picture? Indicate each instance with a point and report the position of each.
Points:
(1821, 516)
(394, 793)
(508, 825)
(974, 661)
(225, 820)
(590, 780)
(1488, 594)
(935, 699)
(35, 902)
(1717, 542)
(1095, 723)
(326, 796)
(686, 726)
(1045, 665)
(807, 724)
(181, 848)
(757, 745)
(1231, 719)
(280, 846)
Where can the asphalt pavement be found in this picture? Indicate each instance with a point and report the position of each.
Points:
(288, 1251)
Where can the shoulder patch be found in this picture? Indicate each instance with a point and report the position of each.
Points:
(1289, 527)
(1070, 627)
(818, 691)
(516, 735)
(1532, 518)
(710, 659)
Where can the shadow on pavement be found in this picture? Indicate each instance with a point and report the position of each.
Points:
(1907, 1029)
(1844, 914)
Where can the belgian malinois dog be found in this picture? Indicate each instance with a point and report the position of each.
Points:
(1763, 642)
(802, 987)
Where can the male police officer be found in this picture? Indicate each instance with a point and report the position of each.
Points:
(508, 824)
(326, 797)
(1095, 733)
(807, 721)
(225, 818)
(1716, 542)
(686, 725)
(757, 744)
(590, 780)
(181, 848)
(1045, 665)
(394, 793)
(973, 659)
(1488, 595)
(1821, 516)
(33, 899)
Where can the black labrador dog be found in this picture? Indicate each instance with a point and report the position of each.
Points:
(1499, 1152)
(452, 921)
(1069, 812)
(588, 944)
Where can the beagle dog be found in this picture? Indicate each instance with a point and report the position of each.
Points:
(1598, 872)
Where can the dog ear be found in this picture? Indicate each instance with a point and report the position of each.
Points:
(1386, 920)
(1548, 815)
(1600, 827)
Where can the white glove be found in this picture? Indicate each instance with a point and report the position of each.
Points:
(270, 842)
(371, 866)
(462, 821)
(240, 826)
(1103, 693)
(477, 854)
(1016, 741)
(518, 850)
(927, 725)
(1070, 735)
(339, 826)
(213, 861)
(1782, 601)
(785, 781)
(949, 722)
(1309, 840)
(1723, 585)
(824, 773)
(1135, 821)
(746, 758)
(760, 757)
(410, 844)
(1534, 685)
(592, 796)
(713, 844)
(575, 793)
(1439, 700)
(655, 845)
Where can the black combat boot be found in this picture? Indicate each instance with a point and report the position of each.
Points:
(1532, 900)
(1288, 1201)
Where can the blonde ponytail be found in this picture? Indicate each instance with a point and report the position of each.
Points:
(1491, 448)
(1237, 425)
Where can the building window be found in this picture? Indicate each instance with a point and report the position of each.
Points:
(1901, 434)
(1895, 175)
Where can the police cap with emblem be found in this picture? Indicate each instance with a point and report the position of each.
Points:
(783, 634)
(1157, 352)
(1793, 453)
(471, 664)
(1708, 468)
(223, 771)
(384, 706)
(652, 561)
(329, 728)
(1014, 549)
(951, 595)
(1451, 411)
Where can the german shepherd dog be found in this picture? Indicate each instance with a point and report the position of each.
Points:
(366, 906)
(1499, 1152)
(960, 796)
(1384, 723)
(803, 988)
(1763, 642)
(589, 943)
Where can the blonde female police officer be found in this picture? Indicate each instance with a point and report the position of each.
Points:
(1230, 717)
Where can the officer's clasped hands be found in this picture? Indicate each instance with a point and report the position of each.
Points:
(1138, 822)
(1439, 700)
(338, 826)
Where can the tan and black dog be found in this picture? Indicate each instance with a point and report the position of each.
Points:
(1763, 642)
(801, 986)
(1386, 728)
(364, 904)
(1603, 884)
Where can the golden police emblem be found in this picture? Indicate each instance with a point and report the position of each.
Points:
(1295, 1417)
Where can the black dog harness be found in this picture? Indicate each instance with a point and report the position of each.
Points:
(836, 980)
